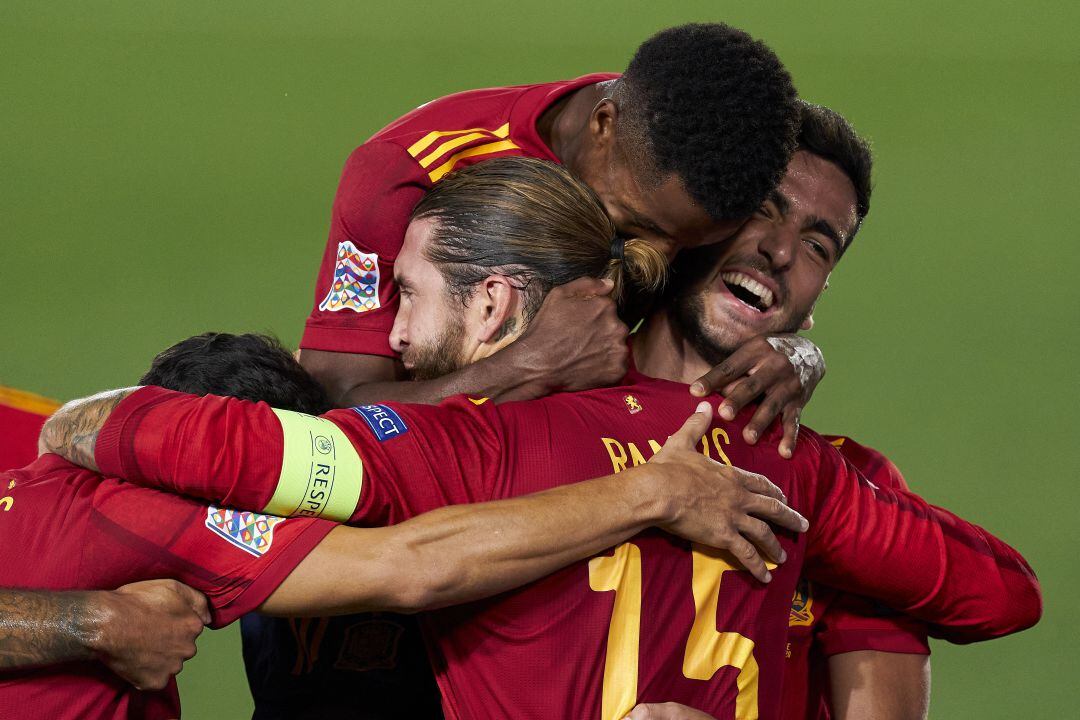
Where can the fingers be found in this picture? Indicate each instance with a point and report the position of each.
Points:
(735, 367)
(196, 601)
(791, 430)
(686, 437)
(768, 410)
(666, 711)
(762, 536)
(748, 556)
(776, 512)
(760, 485)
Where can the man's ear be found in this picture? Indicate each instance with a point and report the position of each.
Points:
(602, 124)
(497, 303)
(808, 322)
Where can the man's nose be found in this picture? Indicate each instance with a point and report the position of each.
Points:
(398, 338)
(779, 246)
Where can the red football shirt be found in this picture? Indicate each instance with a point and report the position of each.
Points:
(66, 528)
(824, 622)
(21, 416)
(383, 179)
(650, 621)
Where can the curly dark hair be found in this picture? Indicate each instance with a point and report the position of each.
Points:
(714, 106)
(827, 134)
(250, 367)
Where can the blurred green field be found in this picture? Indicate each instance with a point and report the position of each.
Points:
(168, 168)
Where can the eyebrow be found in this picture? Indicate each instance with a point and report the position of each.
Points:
(822, 226)
(646, 224)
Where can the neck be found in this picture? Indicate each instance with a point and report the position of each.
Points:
(660, 351)
(565, 125)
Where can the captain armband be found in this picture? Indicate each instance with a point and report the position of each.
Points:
(321, 473)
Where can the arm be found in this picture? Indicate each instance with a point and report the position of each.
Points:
(879, 686)
(575, 342)
(965, 583)
(466, 552)
(143, 632)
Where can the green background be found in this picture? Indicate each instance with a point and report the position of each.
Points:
(168, 168)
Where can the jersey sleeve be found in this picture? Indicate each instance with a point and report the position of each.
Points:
(857, 623)
(919, 559)
(369, 465)
(854, 623)
(355, 296)
(235, 558)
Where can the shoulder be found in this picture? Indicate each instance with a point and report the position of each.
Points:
(872, 463)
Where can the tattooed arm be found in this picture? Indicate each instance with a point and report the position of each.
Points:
(72, 431)
(143, 631)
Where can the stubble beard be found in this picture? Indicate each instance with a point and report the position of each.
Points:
(442, 355)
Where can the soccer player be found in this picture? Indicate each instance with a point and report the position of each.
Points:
(681, 149)
(651, 620)
(66, 528)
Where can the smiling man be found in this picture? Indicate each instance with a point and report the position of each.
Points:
(681, 148)
(719, 643)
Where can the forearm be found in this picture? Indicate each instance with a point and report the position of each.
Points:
(39, 627)
(504, 376)
(462, 553)
(72, 431)
(879, 685)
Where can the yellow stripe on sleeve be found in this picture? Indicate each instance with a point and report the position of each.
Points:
(321, 472)
(425, 142)
(485, 149)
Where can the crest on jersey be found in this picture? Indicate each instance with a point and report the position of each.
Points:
(632, 404)
(801, 604)
(355, 285)
(249, 531)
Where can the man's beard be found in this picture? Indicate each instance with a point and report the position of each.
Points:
(441, 356)
(687, 312)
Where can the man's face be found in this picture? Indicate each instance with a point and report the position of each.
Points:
(429, 329)
(665, 216)
(767, 278)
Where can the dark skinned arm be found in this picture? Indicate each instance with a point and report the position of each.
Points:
(871, 685)
(143, 631)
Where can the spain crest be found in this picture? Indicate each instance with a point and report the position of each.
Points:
(355, 285)
(249, 531)
(801, 604)
(632, 404)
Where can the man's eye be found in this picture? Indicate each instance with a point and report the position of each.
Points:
(818, 248)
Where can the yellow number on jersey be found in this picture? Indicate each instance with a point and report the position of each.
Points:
(707, 649)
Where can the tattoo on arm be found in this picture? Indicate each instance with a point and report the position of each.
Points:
(42, 628)
(73, 430)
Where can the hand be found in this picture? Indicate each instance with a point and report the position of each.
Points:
(666, 711)
(146, 630)
(576, 341)
(719, 505)
(783, 368)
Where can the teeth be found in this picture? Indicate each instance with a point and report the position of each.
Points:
(737, 278)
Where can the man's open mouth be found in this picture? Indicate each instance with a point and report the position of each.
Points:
(748, 291)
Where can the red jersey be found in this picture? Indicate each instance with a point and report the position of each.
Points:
(383, 179)
(66, 528)
(21, 416)
(652, 620)
(824, 622)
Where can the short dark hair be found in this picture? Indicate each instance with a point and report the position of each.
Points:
(534, 221)
(715, 107)
(249, 366)
(827, 134)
